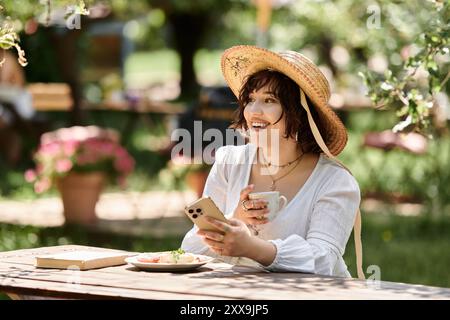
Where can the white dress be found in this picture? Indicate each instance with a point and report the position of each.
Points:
(310, 233)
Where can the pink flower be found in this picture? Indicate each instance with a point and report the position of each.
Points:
(63, 165)
(124, 164)
(39, 168)
(93, 150)
(121, 152)
(87, 158)
(180, 160)
(30, 175)
(70, 147)
(74, 148)
(107, 148)
(49, 149)
(42, 185)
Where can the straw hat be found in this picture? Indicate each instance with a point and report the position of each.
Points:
(241, 61)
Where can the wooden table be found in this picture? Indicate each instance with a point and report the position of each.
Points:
(18, 276)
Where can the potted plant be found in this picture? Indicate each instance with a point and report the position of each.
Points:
(193, 173)
(196, 177)
(79, 161)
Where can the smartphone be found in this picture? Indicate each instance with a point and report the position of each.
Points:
(201, 208)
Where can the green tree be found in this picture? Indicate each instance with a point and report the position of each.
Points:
(400, 88)
(188, 22)
(409, 36)
(12, 20)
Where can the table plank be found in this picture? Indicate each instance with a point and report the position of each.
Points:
(212, 281)
(42, 289)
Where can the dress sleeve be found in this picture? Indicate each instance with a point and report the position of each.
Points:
(216, 188)
(329, 229)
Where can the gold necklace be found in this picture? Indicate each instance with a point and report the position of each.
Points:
(283, 165)
(273, 186)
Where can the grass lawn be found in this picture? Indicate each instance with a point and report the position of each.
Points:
(407, 249)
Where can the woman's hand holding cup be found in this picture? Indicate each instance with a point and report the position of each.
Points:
(252, 212)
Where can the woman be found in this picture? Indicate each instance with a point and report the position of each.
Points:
(283, 97)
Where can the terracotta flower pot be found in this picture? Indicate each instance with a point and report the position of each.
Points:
(196, 181)
(80, 193)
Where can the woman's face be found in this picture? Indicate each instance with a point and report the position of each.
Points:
(262, 115)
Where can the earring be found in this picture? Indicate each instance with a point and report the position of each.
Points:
(296, 136)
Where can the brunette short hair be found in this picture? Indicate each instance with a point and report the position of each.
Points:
(288, 93)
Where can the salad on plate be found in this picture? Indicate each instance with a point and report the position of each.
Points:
(174, 260)
(173, 257)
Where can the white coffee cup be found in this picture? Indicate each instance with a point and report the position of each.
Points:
(274, 200)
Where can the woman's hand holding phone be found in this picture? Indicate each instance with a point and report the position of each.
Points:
(234, 238)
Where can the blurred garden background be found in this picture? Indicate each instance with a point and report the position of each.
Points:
(146, 67)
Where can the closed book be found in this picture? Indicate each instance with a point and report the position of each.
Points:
(82, 260)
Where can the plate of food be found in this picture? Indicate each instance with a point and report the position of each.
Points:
(176, 260)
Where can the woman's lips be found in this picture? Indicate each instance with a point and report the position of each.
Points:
(259, 125)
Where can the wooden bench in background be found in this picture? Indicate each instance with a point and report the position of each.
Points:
(51, 96)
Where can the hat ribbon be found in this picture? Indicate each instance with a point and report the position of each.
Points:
(323, 146)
